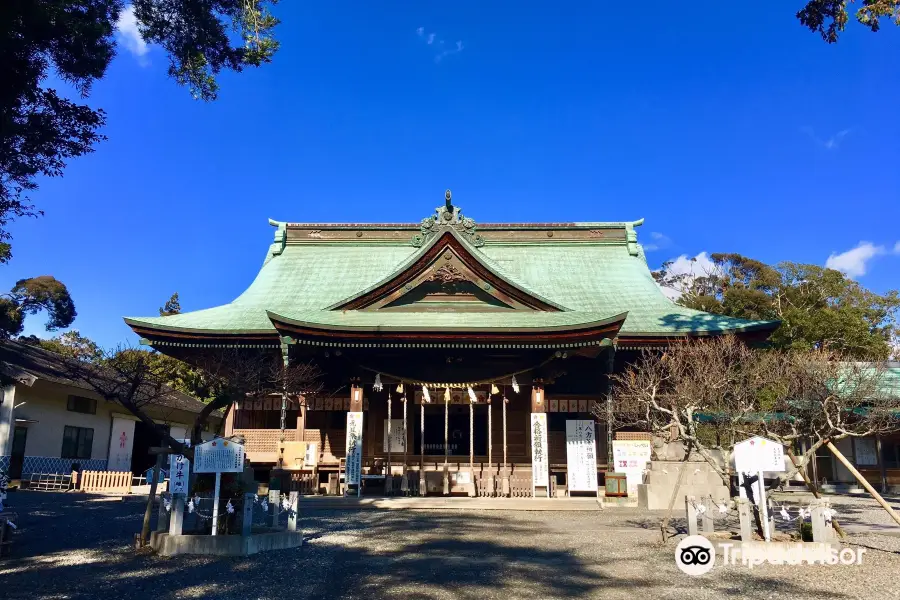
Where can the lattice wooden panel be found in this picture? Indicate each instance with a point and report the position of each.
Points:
(627, 436)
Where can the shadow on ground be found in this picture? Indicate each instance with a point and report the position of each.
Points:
(69, 546)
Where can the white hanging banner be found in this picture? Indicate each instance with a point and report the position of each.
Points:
(121, 442)
(540, 465)
(581, 456)
(398, 443)
(631, 457)
(219, 456)
(354, 448)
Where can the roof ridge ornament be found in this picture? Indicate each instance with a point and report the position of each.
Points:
(447, 216)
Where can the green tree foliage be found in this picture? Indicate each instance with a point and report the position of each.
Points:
(171, 307)
(829, 17)
(71, 344)
(818, 308)
(30, 296)
(40, 130)
(174, 373)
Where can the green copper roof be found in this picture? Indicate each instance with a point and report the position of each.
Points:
(592, 281)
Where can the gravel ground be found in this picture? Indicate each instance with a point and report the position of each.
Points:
(71, 546)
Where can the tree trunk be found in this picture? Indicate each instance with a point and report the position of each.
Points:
(145, 528)
(200, 421)
(664, 524)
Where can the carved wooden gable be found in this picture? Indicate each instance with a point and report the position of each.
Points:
(447, 276)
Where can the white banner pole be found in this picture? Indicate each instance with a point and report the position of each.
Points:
(215, 515)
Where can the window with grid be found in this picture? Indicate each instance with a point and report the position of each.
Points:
(81, 404)
(77, 442)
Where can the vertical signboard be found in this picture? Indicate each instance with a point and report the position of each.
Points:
(581, 456)
(756, 456)
(354, 448)
(121, 442)
(219, 456)
(179, 474)
(540, 465)
(631, 457)
(397, 441)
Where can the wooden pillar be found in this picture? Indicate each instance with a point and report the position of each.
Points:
(301, 419)
(610, 367)
(471, 447)
(490, 437)
(388, 473)
(229, 420)
(446, 447)
(404, 481)
(881, 466)
(504, 489)
(491, 478)
(422, 489)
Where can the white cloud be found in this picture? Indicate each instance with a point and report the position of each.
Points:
(659, 242)
(854, 262)
(440, 47)
(446, 53)
(897, 248)
(832, 143)
(129, 35)
(690, 267)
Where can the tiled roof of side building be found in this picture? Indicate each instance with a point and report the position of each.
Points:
(599, 277)
(26, 363)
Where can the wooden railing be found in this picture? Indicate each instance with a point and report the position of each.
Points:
(106, 482)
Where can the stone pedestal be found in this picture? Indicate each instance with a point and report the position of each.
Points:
(699, 480)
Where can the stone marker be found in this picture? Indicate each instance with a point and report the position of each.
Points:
(176, 518)
(247, 514)
(745, 514)
(293, 515)
(691, 511)
(707, 521)
(821, 531)
(162, 520)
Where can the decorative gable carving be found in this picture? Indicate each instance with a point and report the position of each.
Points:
(447, 216)
(446, 275)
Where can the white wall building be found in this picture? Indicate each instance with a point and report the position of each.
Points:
(50, 424)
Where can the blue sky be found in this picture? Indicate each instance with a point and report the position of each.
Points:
(727, 129)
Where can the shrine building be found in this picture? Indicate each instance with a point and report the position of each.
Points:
(458, 353)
